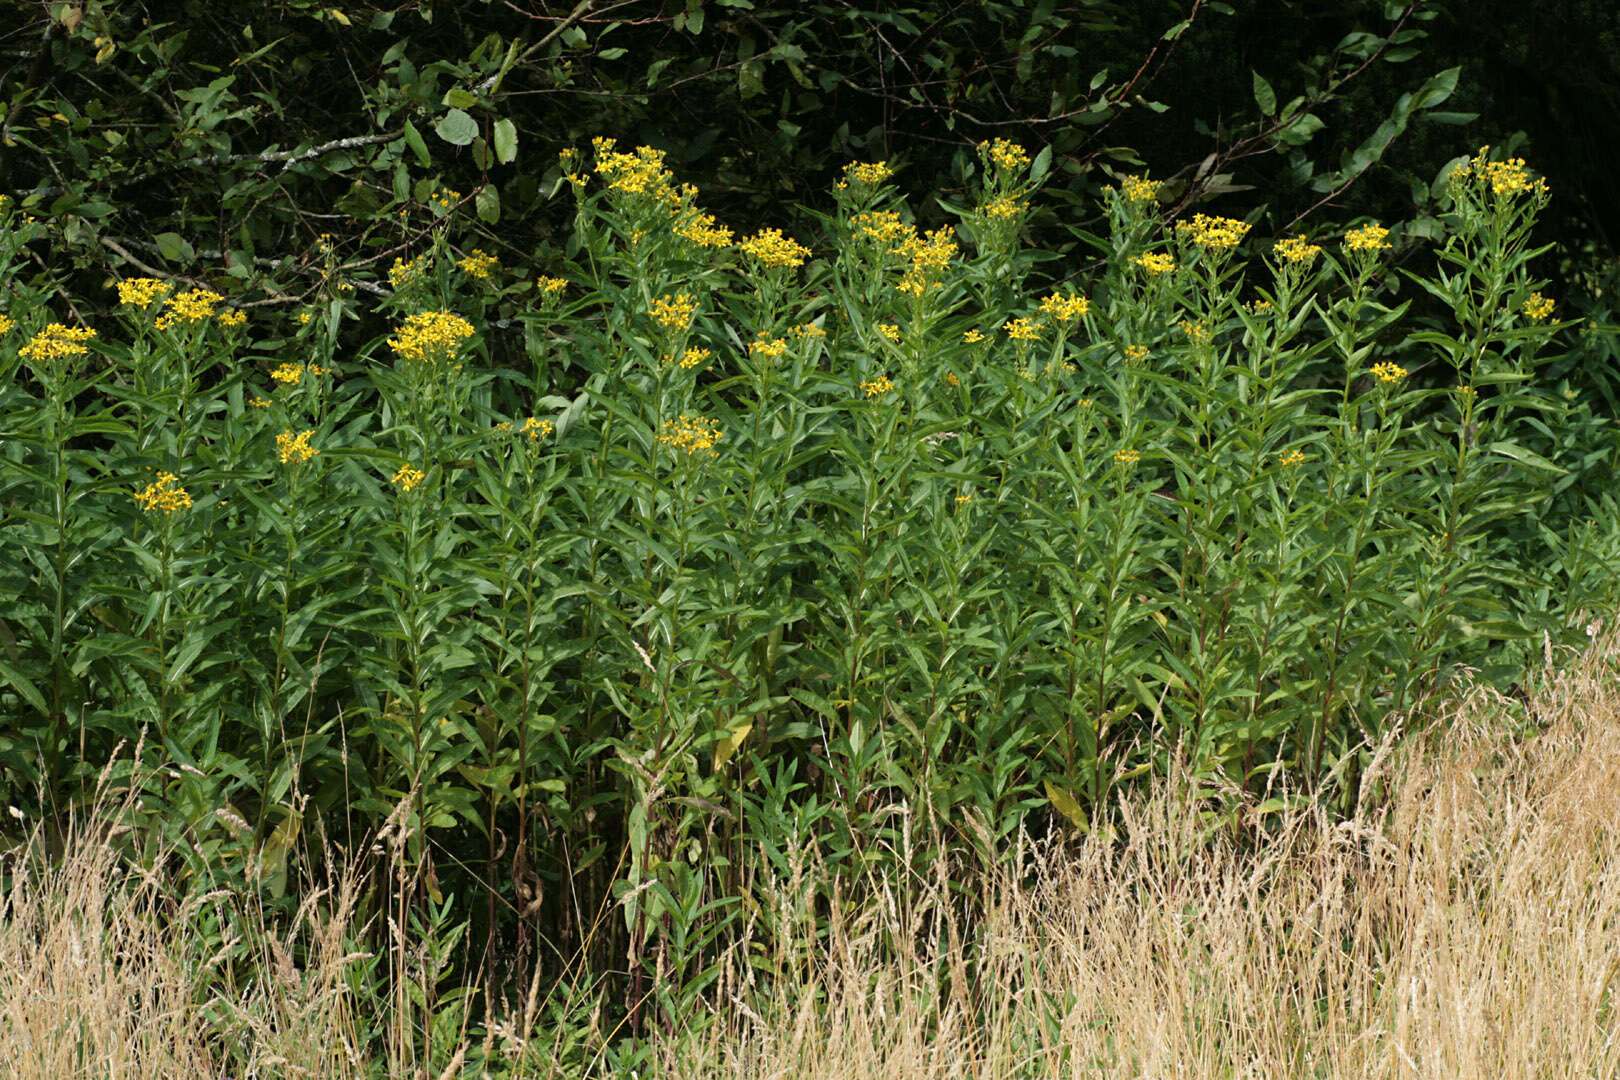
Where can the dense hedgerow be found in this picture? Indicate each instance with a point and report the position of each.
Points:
(764, 540)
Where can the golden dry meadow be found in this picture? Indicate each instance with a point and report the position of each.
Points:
(880, 652)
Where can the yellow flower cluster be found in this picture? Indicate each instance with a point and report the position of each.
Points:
(1504, 178)
(193, 305)
(550, 286)
(1005, 153)
(640, 173)
(290, 374)
(696, 227)
(1538, 307)
(890, 331)
(929, 255)
(142, 291)
(1155, 262)
(259, 402)
(691, 434)
(870, 173)
(674, 312)
(295, 449)
(6, 324)
(1292, 458)
(690, 359)
(877, 387)
(770, 248)
(883, 226)
(1195, 331)
(480, 264)
(58, 342)
(538, 429)
(1126, 457)
(973, 336)
(1065, 307)
(809, 330)
(1023, 329)
(408, 477)
(1370, 237)
(233, 317)
(407, 272)
(1004, 208)
(445, 199)
(431, 335)
(163, 495)
(1138, 189)
(1296, 250)
(765, 346)
(1217, 233)
(1135, 354)
(1387, 372)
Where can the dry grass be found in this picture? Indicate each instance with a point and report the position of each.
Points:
(1466, 924)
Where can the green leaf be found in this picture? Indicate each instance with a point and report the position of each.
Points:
(1264, 96)
(173, 246)
(457, 98)
(457, 128)
(488, 204)
(1066, 805)
(27, 689)
(506, 140)
(418, 145)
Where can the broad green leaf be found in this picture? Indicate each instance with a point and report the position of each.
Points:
(457, 128)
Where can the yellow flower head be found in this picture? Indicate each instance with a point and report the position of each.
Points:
(1195, 331)
(193, 305)
(57, 342)
(696, 227)
(1291, 459)
(770, 248)
(163, 496)
(869, 173)
(1065, 307)
(809, 330)
(890, 331)
(1369, 237)
(288, 374)
(691, 435)
(1138, 189)
(1023, 329)
(1005, 153)
(692, 358)
(233, 317)
(550, 286)
(1135, 354)
(1126, 458)
(431, 336)
(877, 387)
(1296, 251)
(141, 291)
(295, 449)
(6, 324)
(259, 402)
(974, 336)
(1215, 233)
(674, 312)
(764, 346)
(1538, 307)
(1387, 372)
(408, 477)
(479, 264)
(1155, 262)
(407, 272)
(538, 429)
(883, 226)
(1004, 208)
